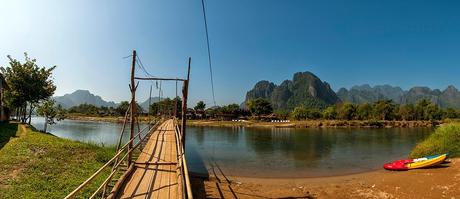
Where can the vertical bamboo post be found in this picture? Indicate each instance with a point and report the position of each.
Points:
(175, 103)
(133, 107)
(184, 102)
(150, 100)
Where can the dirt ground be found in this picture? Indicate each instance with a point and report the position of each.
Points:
(439, 182)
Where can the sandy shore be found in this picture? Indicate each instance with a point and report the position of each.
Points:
(438, 182)
(112, 119)
(291, 124)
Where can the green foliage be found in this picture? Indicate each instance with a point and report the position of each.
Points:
(50, 112)
(445, 139)
(380, 110)
(433, 112)
(29, 84)
(232, 109)
(346, 111)
(122, 108)
(425, 110)
(330, 113)
(302, 113)
(200, 106)
(259, 107)
(364, 111)
(407, 112)
(92, 110)
(451, 113)
(85, 109)
(166, 107)
(282, 114)
(45, 166)
(306, 101)
(384, 110)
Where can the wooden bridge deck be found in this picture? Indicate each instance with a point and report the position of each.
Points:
(156, 173)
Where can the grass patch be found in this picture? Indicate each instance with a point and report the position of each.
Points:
(39, 165)
(445, 139)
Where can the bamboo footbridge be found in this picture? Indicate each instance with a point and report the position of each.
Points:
(152, 163)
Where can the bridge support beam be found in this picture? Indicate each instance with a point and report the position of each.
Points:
(133, 106)
(184, 103)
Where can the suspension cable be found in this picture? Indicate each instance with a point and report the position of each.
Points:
(209, 52)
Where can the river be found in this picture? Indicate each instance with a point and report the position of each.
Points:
(270, 152)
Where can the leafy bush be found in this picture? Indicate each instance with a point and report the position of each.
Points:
(445, 139)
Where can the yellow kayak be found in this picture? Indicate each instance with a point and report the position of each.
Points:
(404, 165)
(427, 161)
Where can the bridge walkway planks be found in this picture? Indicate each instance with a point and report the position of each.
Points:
(156, 173)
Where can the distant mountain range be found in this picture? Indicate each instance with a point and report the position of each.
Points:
(84, 96)
(448, 98)
(307, 89)
(81, 97)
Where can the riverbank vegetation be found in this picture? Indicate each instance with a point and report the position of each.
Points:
(258, 112)
(28, 85)
(317, 123)
(445, 139)
(383, 110)
(40, 165)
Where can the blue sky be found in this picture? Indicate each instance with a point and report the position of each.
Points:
(404, 43)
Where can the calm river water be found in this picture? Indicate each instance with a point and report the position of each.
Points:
(265, 152)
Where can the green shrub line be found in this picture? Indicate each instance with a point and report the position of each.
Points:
(445, 139)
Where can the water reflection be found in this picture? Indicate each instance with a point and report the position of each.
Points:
(101, 133)
(287, 152)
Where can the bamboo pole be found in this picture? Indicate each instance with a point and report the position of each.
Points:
(184, 103)
(133, 105)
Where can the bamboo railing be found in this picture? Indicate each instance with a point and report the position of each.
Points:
(116, 162)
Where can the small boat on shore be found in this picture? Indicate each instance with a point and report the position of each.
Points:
(407, 164)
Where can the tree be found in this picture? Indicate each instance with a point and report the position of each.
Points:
(233, 109)
(85, 109)
(122, 108)
(166, 106)
(364, 111)
(407, 112)
(50, 113)
(433, 112)
(451, 113)
(384, 110)
(259, 107)
(420, 109)
(302, 113)
(282, 114)
(330, 113)
(200, 106)
(299, 113)
(29, 84)
(346, 111)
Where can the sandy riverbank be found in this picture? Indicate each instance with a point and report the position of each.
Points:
(438, 182)
(112, 119)
(291, 124)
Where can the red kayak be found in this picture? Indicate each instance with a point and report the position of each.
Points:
(404, 165)
(398, 165)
